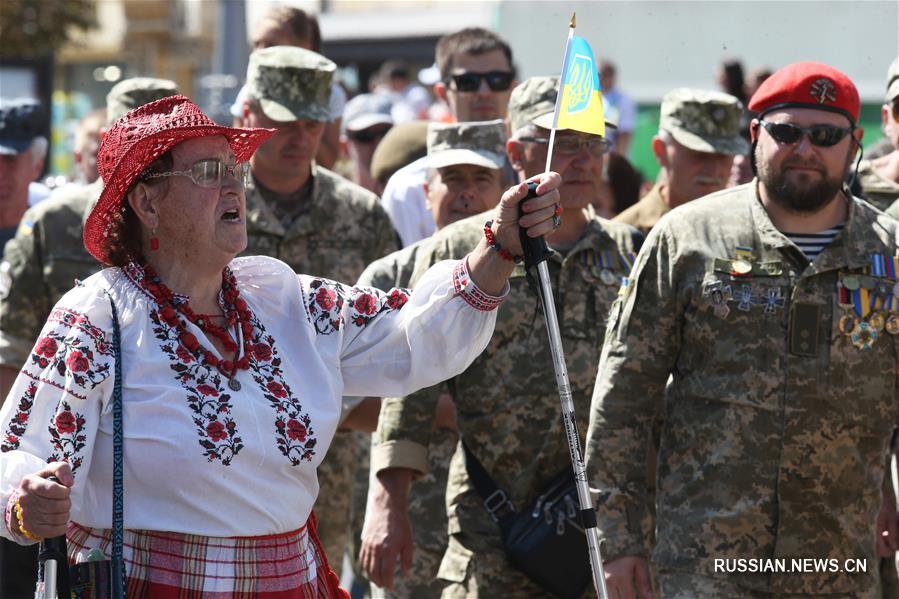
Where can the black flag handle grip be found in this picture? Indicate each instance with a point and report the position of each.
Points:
(534, 249)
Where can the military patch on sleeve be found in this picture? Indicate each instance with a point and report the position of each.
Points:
(805, 322)
(5, 279)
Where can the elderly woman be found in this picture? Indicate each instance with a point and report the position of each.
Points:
(232, 370)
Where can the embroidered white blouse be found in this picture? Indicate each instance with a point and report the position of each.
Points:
(200, 458)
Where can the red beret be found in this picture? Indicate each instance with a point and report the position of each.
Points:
(807, 85)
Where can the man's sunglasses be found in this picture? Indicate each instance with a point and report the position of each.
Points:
(209, 173)
(819, 135)
(498, 81)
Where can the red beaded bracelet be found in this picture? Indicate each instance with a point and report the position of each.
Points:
(491, 241)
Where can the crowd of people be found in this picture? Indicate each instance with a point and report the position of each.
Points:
(334, 361)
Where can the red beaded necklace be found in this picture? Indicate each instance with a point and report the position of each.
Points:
(237, 313)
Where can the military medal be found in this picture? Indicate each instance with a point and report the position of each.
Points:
(718, 294)
(866, 282)
(607, 277)
(847, 323)
(877, 321)
(587, 261)
(741, 267)
(896, 290)
(234, 384)
(863, 336)
(892, 324)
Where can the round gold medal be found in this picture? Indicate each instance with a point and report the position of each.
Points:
(877, 321)
(892, 325)
(847, 324)
(741, 267)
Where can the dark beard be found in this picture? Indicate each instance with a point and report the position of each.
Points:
(800, 198)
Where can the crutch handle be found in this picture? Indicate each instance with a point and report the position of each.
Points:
(534, 249)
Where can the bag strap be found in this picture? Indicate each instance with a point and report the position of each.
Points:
(118, 497)
(494, 498)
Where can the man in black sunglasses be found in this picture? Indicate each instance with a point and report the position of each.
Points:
(476, 78)
(764, 317)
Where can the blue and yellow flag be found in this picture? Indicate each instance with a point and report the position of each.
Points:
(579, 106)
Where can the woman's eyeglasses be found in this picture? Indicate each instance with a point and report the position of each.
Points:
(209, 173)
(568, 146)
(819, 135)
(498, 81)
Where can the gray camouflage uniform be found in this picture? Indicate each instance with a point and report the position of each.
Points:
(776, 422)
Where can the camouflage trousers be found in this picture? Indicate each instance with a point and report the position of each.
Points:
(334, 506)
(427, 512)
(685, 585)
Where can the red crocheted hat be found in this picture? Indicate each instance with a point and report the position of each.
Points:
(807, 85)
(136, 140)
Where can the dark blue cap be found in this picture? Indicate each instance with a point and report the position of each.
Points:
(20, 122)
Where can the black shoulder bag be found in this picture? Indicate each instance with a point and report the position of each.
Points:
(546, 541)
(102, 579)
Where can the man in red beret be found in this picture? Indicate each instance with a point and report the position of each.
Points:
(767, 317)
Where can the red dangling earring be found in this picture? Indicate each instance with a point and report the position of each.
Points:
(154, 241)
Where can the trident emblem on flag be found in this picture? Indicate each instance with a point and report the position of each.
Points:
(581, 81)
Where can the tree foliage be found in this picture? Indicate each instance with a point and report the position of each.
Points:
(30, 28)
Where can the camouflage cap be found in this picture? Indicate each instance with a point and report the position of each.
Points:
(534, 101)
(705, 121)
(482, 143)
(893, 81)
(21, 121)
(404, 143)
(137, 91)
(291, 83)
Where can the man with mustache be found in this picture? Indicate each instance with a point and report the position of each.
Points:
(699, 135)
(770, 309)
(507, 402)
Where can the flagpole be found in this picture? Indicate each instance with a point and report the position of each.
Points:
(536, 252)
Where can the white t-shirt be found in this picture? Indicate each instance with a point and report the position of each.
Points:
(405, 202)
(200, 458)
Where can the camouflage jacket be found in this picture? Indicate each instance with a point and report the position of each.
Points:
(776, 426)
(343, 230)
(880, 192)
(393, 270)
(507, 403)
(646, 213)
(40, 265)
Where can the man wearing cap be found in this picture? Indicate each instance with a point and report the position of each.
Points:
(476, 78)
(22, 150)
(40, 264)
(507, 403)
(466, 178)
(366, 120)
(312, 219)
(699, 134)
(879, 178)
(770, 309)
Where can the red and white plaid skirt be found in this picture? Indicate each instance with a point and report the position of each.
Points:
(163, 565)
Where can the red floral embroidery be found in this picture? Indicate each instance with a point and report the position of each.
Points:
(77, 362)
(67, 436)
(72, 355)
(46, 347)
(19, 422)
(296, 430)
(277, 389)
(396, 299)
(262, 352)
(326, 300)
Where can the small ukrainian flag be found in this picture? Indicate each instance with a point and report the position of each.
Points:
(579, 106)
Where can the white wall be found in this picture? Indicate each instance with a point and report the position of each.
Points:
(659, 45)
